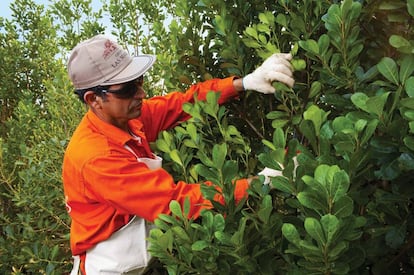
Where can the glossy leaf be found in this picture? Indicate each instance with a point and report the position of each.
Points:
(388, 68)
(310, 46)
(309, 200)
(291, 234)
(283, 184)
(409, 86)
(314, 229)
(199, 245)
(175, 208)
(219, 155)
(330, 226)
(343, 207)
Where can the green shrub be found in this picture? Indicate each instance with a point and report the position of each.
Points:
(347, 207)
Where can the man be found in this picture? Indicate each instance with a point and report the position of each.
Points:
(114, 185)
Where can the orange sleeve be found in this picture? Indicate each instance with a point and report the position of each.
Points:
(164, 112)
(131, 187)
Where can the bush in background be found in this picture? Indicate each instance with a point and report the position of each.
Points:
(346, 209)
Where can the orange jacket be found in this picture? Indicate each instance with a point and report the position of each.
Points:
(104, 184)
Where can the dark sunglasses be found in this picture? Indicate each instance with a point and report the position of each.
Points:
(128, 90)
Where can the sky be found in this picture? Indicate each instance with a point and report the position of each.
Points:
(5, 11)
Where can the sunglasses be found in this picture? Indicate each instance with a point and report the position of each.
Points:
(128, 90)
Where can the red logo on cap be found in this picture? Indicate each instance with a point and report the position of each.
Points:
(110, 47)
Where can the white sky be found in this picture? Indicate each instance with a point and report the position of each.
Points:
(5, 11)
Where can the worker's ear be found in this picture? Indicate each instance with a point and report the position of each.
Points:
(92, 99)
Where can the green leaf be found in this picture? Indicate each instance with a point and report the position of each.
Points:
(298, 64)
(219, 25)
(279, 123)
(308, 130)
(314, 229)
(229, 171)
(310, 46)
(311, 201)
(360, 100)
(219, 223)
(181, 233)
(223, 237)
(276, 115)
(199, 245)
(190, 143)
(186, 207)
(207, 173)
(409, 86)
(279, 138)
(324, 174)
(269, 144)
(265, 210)
(204, 158)
(408, 103)
(54, 252)
(192, 131)
(411, 126)
(343, 207)
(311, 251)
(290, 232)
(175, 208)
(168, 219)
(162, 145)
(211, 107)
(263, 18)
(219, 155)
(339, 186)
(388, 68)
(175, 156)
(252, 32)
(398, 41)
(376, 104)
(369, 131)
(330, 225)
(165, 240)
(208, 219)
(409, 115)
(281, 19)
(273, 159)
(283, 184)
(323, 43)
(410, 7)
(237, 238)
(336, 251)
(317, 116)
(315, 89)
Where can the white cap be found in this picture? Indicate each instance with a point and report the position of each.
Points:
(101, 61)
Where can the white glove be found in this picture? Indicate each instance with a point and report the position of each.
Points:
(275, 68)
(268, 173)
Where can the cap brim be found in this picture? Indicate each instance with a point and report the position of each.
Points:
(138, 66)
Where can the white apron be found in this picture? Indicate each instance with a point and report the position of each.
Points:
(126, 251)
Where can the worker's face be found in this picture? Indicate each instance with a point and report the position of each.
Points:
(122, 102)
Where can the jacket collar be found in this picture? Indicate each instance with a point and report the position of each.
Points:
(110, 131)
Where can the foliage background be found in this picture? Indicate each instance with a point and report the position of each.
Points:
(347, 208)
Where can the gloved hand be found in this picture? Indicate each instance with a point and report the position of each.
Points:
(268, 173)
(275, 68)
